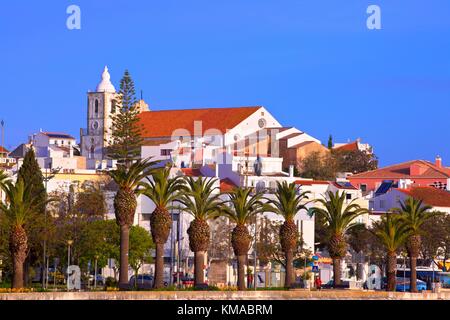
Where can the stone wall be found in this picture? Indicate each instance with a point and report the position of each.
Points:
(229, 295)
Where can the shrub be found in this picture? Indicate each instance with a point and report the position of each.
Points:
(111, 282)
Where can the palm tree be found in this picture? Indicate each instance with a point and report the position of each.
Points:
(18, 211)
(339, 219)
(287, 204)
(163, 191)
(3, 178)
(129, 181)
(243, 207)
(393, 233)
(414, 214)
(202, 204)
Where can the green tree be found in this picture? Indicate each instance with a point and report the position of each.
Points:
(126, 138)
(129, 182)
(140, 245)
(339, 219)
(163, 191)
(202, 201)
(393, 233)
(330, 142)
(243, 207)
(414, 213)
(355, 161)
(32, 176)
(318, 166)
(18, 213)
(288, 202)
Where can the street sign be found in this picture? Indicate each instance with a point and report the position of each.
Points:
(315, 269)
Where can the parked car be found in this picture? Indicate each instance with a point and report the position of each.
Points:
(403, 284)
(142, 281)
(330, 285)
(100, 279)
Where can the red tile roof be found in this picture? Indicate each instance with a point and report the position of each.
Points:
(429, 195)
(311, 182)
(227, 185)
(163, 123)
(3, 150)
(402, 171)
(352, 146)
(191, 172)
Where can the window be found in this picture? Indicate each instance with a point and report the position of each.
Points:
(96, 107)
(62, 142)
(382, 204)
(348, 196)
(363, 187)
(165, 152)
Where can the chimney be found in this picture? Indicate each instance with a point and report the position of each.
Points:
(291, 171)
(438, 162)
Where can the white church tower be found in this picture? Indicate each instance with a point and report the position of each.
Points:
(100, 105)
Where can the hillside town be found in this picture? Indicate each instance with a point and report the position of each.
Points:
(216, 197)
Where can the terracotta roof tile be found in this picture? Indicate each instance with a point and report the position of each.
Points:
(3, 150)
(163, 123)
(402, 171)
(352, 146)
(191, 172)
(429, 195)
(311, 182)
(227, 185)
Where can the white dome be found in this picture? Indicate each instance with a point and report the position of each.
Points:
(105, 85)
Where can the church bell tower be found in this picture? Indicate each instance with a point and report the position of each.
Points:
(101, 104)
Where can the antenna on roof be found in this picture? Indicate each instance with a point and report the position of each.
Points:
(142, 94)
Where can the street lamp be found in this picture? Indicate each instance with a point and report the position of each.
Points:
(95, 272)
(69, 243)
(47, 176)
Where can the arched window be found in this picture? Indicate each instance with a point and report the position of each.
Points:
(96, 107)
(113, 106)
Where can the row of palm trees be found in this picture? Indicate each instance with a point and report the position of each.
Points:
(402, 227)
(199, 198)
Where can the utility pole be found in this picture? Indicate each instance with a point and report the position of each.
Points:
(2, 123)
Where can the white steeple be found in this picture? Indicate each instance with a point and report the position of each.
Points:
(105, 85)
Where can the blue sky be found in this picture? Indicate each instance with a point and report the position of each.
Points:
(313, 64)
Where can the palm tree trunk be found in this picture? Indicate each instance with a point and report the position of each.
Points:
(124, 247)
(198, 266)
(241, 272)
(391, 270)
(159, 266)
(17, 271)
(337, 272)
(289, 277)
(413, 277)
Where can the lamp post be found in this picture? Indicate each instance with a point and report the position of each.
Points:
(69, 243)
(47, 176)
(95, 272)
